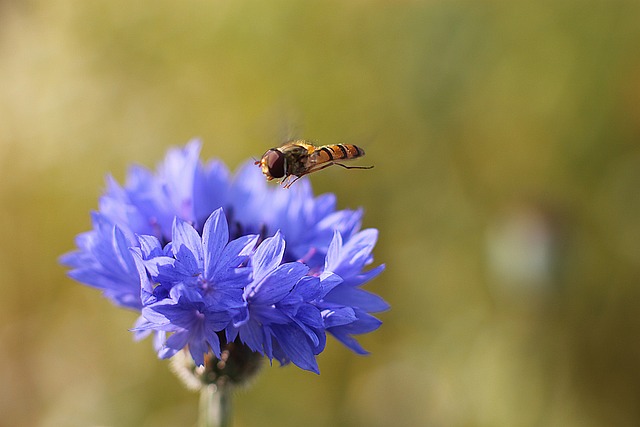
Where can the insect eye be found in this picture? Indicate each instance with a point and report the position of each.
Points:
(275, 163)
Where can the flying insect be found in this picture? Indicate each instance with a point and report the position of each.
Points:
(298, 158)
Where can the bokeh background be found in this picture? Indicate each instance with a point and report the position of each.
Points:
(505, 139)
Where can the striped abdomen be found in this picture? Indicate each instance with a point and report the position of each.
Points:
(331, 153)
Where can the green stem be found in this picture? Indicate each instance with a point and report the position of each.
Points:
(215, 406)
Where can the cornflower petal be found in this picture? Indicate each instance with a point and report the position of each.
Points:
(338, 316)
(328, 281)
(308, 288)
(252, 334)
(178, 175)
(296, 347)
(185, 236)
(210, 190)
(150, 246)
(358, 297)
(268, 256)
(234, 254)
(364, 323)
(309, 316)
(278, 284)
(215, 236)
(174, 344)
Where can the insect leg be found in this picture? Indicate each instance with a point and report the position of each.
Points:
(353, 167)
(289, 184)
(285, 181)
(316, 168)
(319, 167)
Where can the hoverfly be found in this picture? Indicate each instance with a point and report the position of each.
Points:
(298, 158)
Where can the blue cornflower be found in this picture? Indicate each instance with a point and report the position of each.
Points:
(282, 322)
(199, 288)
(345, 308)
(210, 259)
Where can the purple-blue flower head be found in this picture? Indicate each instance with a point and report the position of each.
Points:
(209, 258)
(103, 261)
(282, 322)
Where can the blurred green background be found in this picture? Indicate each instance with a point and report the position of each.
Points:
(505, 137)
